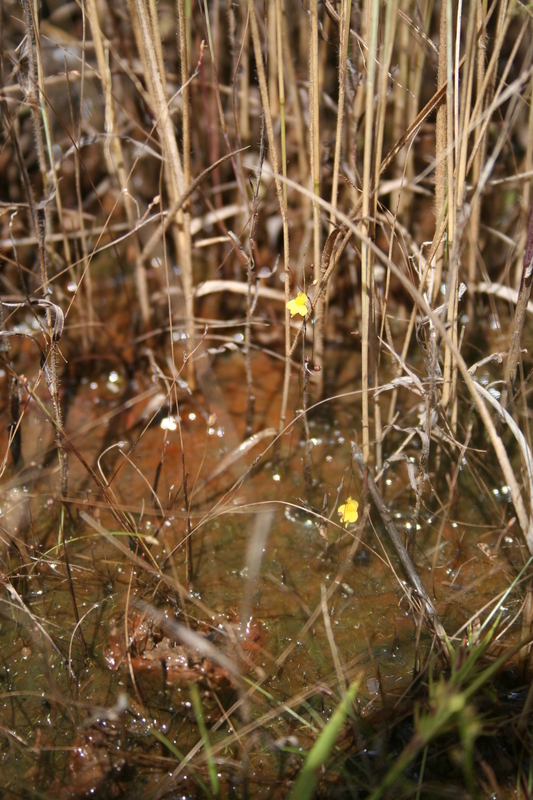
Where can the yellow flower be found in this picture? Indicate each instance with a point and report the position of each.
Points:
(298, 305)
(348, 511)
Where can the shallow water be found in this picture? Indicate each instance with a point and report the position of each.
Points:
(299, 612)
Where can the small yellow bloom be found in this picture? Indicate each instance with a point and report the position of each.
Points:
(298, 305)
(348, 511)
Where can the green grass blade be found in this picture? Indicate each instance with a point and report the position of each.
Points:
(171, 747)
(211, 766)
(319, 753)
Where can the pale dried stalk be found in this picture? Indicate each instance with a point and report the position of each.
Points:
(292, 86)
(273, 62)
(186, 155)
(148, 35)
(521, 308)
(43, 103)
(87, 314)
(367, 255)
(440, 158)
(32, 89)
(467, 82)
(346, 10)
(451, 93)
(475, 217)
(400, 199)
(213, 35)
(344, 28)
(379, 128)
(156, 40)
(39, 213)
(281, 93)
(401, 204)
(186, 116)
(298, 126)
(526, 193)
(244, 78)
(256, 40)
(461, 138)
(485, 93)
(113, 153)
(314, 153)
(451, 128)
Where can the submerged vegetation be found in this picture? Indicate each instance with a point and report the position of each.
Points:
(266, 500)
